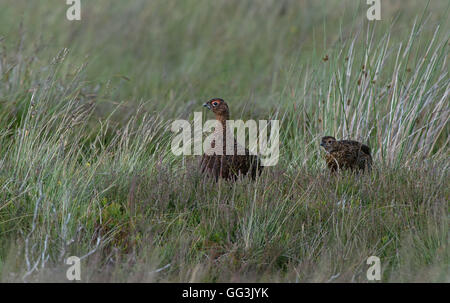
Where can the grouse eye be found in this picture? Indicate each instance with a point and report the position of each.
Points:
(215, 103)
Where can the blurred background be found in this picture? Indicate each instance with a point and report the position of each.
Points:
(173, 52)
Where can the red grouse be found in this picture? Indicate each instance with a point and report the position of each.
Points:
(227, 166)
(346, 154)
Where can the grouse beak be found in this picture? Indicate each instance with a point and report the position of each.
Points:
(207, 105)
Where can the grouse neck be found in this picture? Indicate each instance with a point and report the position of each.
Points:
(223, 122)
(222, 131)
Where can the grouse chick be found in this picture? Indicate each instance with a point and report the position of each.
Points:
(346, 154)
(232, 165)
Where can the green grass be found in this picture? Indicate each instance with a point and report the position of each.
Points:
(86, 167)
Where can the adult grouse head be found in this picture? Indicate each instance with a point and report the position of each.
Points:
(218, 106)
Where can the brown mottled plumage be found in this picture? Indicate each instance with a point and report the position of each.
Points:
(346, 154)
(227, 166)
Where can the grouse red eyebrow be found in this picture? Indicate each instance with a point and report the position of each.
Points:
(216, 99)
